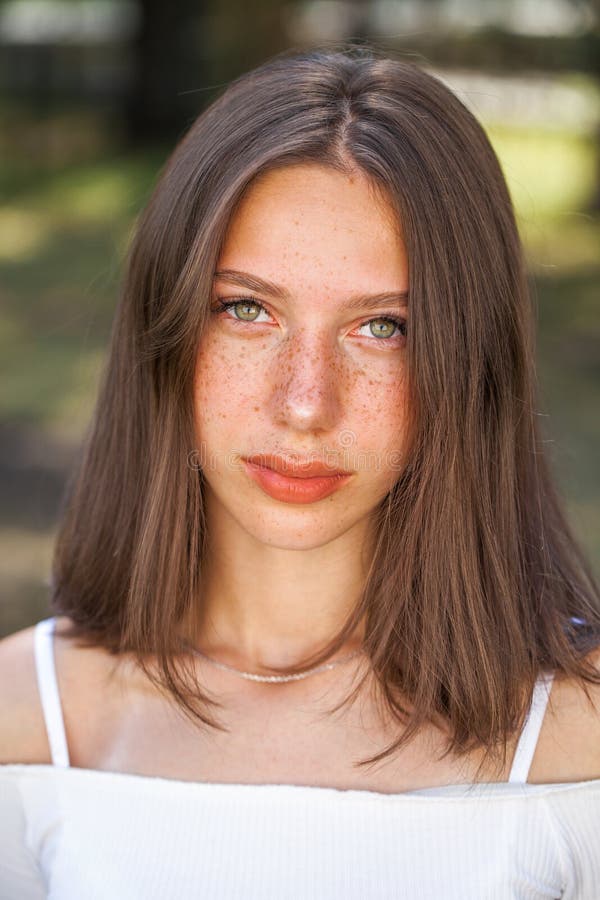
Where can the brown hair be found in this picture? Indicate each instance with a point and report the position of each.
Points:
(476, 582)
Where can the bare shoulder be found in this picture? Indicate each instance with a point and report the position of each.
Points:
(22, 731)
(84, 677)
(569, 743)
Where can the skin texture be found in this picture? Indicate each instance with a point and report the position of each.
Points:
(304, 377)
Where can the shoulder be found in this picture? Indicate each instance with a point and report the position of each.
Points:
(569, 743)
(22, 731)
(85, 680)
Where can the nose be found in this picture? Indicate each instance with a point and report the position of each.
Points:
(307, 384)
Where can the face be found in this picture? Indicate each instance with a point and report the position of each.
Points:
(307, 372)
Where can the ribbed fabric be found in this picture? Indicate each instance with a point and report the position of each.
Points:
(80, 834)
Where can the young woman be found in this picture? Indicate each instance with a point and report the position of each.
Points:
(313, 584)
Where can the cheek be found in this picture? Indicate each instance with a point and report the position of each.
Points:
(373, 435)
(379, 404)
(226, 384)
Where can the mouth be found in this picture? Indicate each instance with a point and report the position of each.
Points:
(296, 468)
(306, 484)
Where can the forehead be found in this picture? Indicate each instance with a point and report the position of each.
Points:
(311, 222)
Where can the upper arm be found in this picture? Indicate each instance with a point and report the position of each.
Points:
(23, 736)
(569, 744)
(588, 722)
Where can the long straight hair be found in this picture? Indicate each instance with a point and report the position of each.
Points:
(476, 582)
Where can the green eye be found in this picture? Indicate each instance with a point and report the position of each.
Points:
(383, 328)
(246, 310)
(386, 329)
(246, 307)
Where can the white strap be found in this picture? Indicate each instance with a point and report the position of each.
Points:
(531, 728)
(49, 694)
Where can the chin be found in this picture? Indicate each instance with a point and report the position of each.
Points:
(297, 530)
(281, 525)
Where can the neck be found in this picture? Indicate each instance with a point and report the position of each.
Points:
(271, 607)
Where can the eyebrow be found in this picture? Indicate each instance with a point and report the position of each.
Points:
(356, 301)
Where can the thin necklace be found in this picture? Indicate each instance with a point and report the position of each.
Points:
(254, 677)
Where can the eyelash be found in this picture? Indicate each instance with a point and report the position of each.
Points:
(225, 305)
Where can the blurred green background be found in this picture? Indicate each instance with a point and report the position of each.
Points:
(93, 96)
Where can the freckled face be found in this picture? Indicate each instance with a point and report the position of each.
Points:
(304, 376)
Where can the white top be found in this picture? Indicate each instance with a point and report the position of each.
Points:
(68, 833)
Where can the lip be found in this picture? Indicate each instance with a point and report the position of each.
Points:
(296, 488)
(295, 468)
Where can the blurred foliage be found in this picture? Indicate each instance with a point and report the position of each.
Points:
(550, 172)
(496, 49)
(63, 236)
